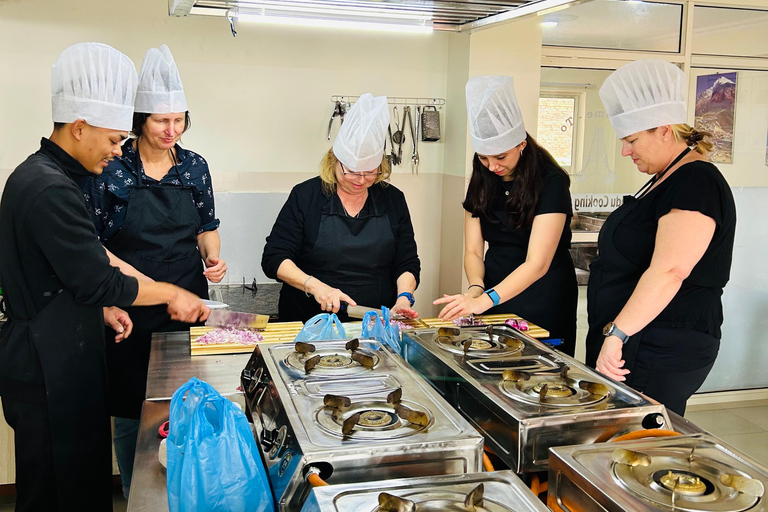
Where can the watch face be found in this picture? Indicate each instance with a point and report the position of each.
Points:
(607, 329)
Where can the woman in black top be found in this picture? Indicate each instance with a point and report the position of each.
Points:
(665, 255)
(519, 203)
(347, 234)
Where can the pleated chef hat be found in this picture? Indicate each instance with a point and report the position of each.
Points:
(160, 88)
(644, 94)
(94, 82)
(495, 122)
(359, 145)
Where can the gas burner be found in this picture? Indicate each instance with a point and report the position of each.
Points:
(446, 502)
(373, 419)
(477, 343)
(678, 479)
(308, 358)
(565, 389)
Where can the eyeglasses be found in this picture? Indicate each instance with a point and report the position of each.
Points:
(362, 174)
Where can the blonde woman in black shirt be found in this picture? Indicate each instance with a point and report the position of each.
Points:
(665, 255)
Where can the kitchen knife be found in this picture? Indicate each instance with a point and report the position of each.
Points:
(357, 311)
(236, 320)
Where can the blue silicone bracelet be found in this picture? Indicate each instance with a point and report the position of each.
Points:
(494, 296)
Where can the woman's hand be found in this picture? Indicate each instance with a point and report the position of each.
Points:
(328, 298)
(403, 308)
(216, 269)
(463, 305)
(609, 362)
(119, 321)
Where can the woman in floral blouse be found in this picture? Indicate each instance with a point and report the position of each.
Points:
(153, 209)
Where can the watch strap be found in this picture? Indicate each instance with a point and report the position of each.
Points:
(408, 296)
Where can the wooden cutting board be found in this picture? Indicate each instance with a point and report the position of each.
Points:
(533, 330)
(277, 332)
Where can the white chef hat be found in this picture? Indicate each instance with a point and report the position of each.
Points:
(160, 89)
(94, 82)
(359, 145)
(495, 122)
(644, 94)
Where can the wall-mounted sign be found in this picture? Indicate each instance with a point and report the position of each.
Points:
(596, 202)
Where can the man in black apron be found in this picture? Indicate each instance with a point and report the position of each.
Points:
(56, 277)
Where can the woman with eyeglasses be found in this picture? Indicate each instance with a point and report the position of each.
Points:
(346, 235)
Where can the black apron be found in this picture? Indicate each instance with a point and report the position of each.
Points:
(613, 278)
(68, 339)
(159, 239)
(551, 301)
(353, 254)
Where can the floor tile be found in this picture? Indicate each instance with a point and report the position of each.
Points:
(756, 415)
(753, 445)
(723, 422)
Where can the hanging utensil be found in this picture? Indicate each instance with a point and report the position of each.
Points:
(392, 157)
(430, 124)
(399, 136)
(415, 157)
(338, 111)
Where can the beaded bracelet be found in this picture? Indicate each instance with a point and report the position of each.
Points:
(305, 285)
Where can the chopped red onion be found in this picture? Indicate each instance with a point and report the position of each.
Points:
(400, 325)
(465, 321)
(520, 325)
(225, 336)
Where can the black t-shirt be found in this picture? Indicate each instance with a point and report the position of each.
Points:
(554, 197)
(697, 186)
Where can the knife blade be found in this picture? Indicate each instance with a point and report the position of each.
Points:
(237, 320)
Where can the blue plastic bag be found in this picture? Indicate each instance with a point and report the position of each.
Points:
(325, 326)
(213, 461)
(379, 328)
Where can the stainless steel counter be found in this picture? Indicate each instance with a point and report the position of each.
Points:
(170, 366)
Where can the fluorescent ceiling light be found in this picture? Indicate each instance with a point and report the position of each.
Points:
(548, 24)
(409, 25)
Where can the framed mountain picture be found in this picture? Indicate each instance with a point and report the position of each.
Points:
(715, 107)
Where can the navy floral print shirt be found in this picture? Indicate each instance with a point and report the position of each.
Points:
(107, 195)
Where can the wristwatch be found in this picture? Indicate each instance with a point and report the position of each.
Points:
(611, 329)
(408, 296)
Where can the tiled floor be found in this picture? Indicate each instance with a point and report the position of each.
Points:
(742, 425)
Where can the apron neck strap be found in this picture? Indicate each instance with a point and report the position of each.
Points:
(140, 166)
(648, 186)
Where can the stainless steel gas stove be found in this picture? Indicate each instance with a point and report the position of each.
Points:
(696, 473)
(499, 491)
(349, 411)
(523, 396)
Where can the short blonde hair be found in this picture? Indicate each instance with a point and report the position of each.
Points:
(328, 171)
(693, 138)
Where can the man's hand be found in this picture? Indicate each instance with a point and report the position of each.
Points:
(187, 307)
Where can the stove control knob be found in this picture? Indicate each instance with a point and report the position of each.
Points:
(280, 443)
(654, 420)
(268, 439)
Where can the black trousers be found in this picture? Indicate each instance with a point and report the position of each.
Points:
(670, 365)
(35, 478)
